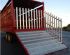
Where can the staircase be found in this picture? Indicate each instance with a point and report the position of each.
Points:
(40, 42)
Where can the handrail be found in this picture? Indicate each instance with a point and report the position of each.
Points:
(32, 9)
(54, 25)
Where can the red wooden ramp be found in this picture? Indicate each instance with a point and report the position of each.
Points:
(39, 42)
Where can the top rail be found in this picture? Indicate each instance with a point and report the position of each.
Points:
(32, 9)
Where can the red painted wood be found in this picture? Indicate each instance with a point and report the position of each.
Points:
(8, 19)
(13, 14)
(26, 51)
(21, 30)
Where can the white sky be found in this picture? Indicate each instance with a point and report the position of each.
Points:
(61, 8)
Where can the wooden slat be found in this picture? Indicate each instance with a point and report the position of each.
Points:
(31, 20)
(20, 16)
(17, 17)
(37, 18)
(34, 19)
(61, 31)
(56, 23)
(23, 16)
(26, 17)
(29, 17)
(41, 18)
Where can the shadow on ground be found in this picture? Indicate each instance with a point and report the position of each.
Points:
(10, 48)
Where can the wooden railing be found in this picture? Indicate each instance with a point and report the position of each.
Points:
(54, 26)
(33, 19)
(29, 18)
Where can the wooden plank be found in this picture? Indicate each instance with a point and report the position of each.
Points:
(17, 17)
(41, 18)
(29, 17)
(23, 16)
(61, 31)
(34, 19)
(31, 20)
(26, 17)
(20, 16)
(37, 18)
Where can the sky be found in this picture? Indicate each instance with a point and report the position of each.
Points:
(60, 8)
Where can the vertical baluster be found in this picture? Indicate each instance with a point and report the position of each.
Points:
(61, 30)
(41, 18)
(34, 19)
(51, 25)
(45, 17)
(56, 32)
(58, 29)
(48, 21)
(23, 16)
(54, 23)
(17, 17)
(20, 16)
(26, 17)
(51, 22)
(29, 18)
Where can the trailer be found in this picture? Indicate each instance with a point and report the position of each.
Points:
(37, 31)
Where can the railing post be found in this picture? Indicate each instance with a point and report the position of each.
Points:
(41, 18)
(61, 30)
(26, 17)
(29, 18)
(48, 21)
(17, 17)
(23, 16)
(54, 24)
(44, 20)
(36, 19)
(20, 16)
(58, 29)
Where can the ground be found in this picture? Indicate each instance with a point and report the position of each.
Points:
(11, 49)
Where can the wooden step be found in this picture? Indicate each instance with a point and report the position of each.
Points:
(40, 42)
